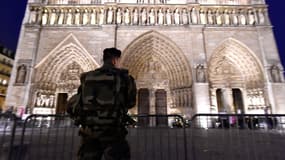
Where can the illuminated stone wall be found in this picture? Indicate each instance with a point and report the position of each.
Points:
(198, 53)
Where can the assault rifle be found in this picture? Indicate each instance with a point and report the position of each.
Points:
(128, 120)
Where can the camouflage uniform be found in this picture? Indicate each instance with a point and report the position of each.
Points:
(100, 139)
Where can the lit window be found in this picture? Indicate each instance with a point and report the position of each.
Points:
(4, 82)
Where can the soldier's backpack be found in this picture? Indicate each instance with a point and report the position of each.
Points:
(103, 101)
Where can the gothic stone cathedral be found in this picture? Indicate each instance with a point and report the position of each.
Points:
(187, 56)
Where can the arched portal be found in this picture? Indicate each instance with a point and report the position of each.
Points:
(235, 75)
(58, 75)
(157, 63)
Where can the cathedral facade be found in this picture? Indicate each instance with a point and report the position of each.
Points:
(187, 56)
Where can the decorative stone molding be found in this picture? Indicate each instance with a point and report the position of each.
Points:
(150, 15)
(220, 2)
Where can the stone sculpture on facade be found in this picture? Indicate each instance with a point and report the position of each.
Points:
(69, 17)
(242, 18)
(53, 17)
(119, 16)
(261, 18)
(110, 16)
(143, 17)
(234, 18)
(77, 19)
(203, 18)
(85, 17)
(160, 15)
(177, 16)
(61, 17)
(210, 17)
(45, 17)
(200, 73)
(21, 74)
(135, 17)
(127, 18)
(101, 16)
(194, 17)
(275, 73)
(151, 17)
(39, 100)
(33, 16)
(185, 16)
(219, 19)
(168, 17)
(93, 17)
(226, 17)
(51, 101)
(44, 100)
(251, 17)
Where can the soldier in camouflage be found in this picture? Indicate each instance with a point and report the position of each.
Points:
(106, 94)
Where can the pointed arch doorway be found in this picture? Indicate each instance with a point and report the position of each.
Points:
(58, 74)
(160, 66)
(236, 76)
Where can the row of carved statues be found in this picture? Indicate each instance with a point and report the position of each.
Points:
(230, 2)
(182, 97)
(147, 16)
(45, 100)
(256, 98)
(103, 1)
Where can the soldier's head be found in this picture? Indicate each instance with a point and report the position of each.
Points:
(112, 56)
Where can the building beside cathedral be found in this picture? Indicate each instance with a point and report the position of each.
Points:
(187, 56)
(6, 65)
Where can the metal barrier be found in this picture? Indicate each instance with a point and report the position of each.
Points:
(237, 137)
(46, 137)
(158, 137)
(7, 135)
(155, 137)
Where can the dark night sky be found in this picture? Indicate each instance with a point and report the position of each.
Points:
(12, 12)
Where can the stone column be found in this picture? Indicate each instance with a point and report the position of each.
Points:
(213, 100)
(201, 97)
(152, 120)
